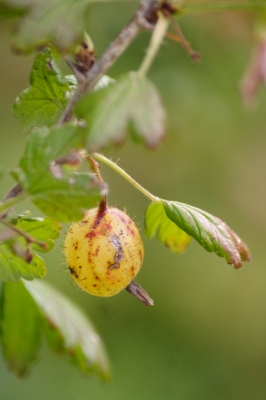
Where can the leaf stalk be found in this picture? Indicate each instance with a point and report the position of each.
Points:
(155, 44)
(126, 176)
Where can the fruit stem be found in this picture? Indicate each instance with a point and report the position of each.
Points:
(94, 166)
(155, 43)
(125, 175)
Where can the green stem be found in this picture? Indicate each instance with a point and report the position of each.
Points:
(155, 43)
(125, 175)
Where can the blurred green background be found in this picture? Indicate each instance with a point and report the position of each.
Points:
(205, 338)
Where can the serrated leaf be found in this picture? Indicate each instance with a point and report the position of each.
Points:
(209, 231)
(61, 22)
(61, 197)
(42, 229)
(68, 330)
(26, 307)
(13, 267)
(38, 105)
(168, 233)
(20, 333)
(131, 104)
(17, 258)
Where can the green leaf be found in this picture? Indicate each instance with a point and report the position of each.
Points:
(61, 22)
(7, 11)
(168, 232)
(17, 258)
(13, 267)
(27, 307)
(42, 229)
(68, 330)
(38, 105)
(20, 333)
(58, 192)
(209, 231)
(132, 103)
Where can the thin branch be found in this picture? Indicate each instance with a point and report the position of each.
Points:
(155, 43)
(194, 55)
(114, 51)
(13, 197)
(79, 75)
(14, 192)
(28, 238)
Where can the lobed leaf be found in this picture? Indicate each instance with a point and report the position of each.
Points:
(210, 232)
(42, 229)
(13, 267)
(168, 233)
(17, 258)
(38, 105)
(26, 308)
(61, 22)
(20, 333)
(57, 191)
(131, 104)
(68, 330)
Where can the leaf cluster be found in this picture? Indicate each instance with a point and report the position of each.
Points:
(29, 310)
(49, 174)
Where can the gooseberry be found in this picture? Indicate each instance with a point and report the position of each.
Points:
(104, 251)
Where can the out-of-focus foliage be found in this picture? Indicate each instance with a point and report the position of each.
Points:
(59, 193)
(132, 102)
(27, 308)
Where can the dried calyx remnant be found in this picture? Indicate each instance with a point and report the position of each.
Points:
(104, 253)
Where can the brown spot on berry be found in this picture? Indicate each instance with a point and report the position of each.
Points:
(72, 271)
